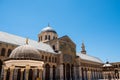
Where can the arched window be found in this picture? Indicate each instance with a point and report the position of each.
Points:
(52, 59)
(53, 47)
(55, 60)
(42, 56)
(45, 37)
(48, 37)
(45, 58)
(49, 59)
(3, 52)
(41, 38)
(9, 51)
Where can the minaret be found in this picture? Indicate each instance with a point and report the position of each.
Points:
(83, 49)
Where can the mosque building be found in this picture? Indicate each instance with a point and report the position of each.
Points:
(50, 58)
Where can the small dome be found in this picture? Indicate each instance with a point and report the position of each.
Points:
(25, 52)
(107, 64)
(48, 29)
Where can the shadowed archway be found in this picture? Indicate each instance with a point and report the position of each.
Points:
(47, 72)
(54, 73)
(68, 71)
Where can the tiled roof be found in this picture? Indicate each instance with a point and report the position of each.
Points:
(17, 40)
(89, 58)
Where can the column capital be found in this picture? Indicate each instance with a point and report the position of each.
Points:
(22, 69)
(40, 68)
(12, 67)
(28, 66)
(5, 67)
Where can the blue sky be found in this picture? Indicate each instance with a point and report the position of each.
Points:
(96, 22)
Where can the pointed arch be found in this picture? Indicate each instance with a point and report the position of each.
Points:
(47, 72)
(68, 71)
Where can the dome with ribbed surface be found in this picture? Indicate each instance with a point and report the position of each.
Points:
(25, 52)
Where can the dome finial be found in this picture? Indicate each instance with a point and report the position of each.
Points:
(48, 25)
(27, 40)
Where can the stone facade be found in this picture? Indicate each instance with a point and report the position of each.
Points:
(63, 64)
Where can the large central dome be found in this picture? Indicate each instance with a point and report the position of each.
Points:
(25, 52)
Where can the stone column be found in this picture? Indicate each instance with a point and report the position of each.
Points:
(21, 78)
(40, 72)
(11, 72)
(74, 68)
(44, 74)
(84, 74)
(80, 73)
(89, 75)
(15, 74)
(61, 71)
(27, 72)
(51, 73)
(5, 73)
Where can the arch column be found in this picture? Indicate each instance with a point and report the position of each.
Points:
(80, 73)
(27, 72)
(61, 72)
(15, 74)
(51, 73)
(44, 74)
(11, 72)
(40, 73)
(5, 72)
(21, 74)
(89, 75)
(74, 68)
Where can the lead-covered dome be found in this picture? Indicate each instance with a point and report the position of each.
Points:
(25, 52)
(48, 29)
